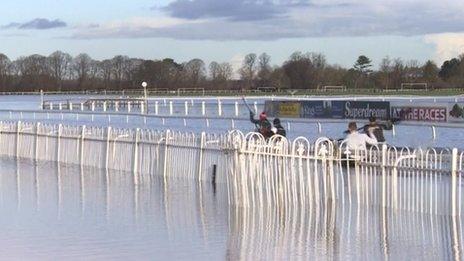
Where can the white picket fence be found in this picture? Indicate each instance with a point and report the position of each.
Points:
(274, 173)
(167, 153)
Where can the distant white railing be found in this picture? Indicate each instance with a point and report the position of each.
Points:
(275, 173)
(226, 122)
(164, 107)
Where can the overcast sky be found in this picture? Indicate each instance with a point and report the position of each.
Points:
(226, 30)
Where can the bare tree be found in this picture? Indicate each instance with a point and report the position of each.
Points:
(81, 67)
(59, 63)
(106, 68)
(264, 72)
(430, 72)
(34, 72)
(214, 71)
(195, 71)
(120, 65)
(398, 72)
(385, 70)
(226, 71)
(300, 71)
(248, 70)
(279, 79)
(5, 65)
(131, 69)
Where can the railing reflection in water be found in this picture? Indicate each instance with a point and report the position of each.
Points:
(197, 221)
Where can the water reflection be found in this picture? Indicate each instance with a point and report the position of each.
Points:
(71, 212)
(346, 234)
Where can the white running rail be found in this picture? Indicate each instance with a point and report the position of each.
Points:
(275, 173)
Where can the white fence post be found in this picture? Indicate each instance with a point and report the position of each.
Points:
(256, 107)
(454, 172)
(171, 109)
(219, 108)
(136, 153)
(58, 142)
(156, 108)
(200, 161)
(41, 99)
(128, 106)
(18, 127)
(104, 106)
(236, 109)
(166, 152)
(81, 149)
(384, 175)
(93, 105)
(186, 108)
(203, 108)
(434, 133)
(116, 106)
(36, 145)
(108, 138)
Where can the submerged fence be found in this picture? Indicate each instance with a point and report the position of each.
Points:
(166, 153)
(274, 173)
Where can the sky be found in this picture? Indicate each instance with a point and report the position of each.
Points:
(227, 30)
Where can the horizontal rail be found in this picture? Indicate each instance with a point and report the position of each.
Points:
(214, 117)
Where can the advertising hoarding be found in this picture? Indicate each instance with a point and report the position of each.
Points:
(419, 113)
(367, 109)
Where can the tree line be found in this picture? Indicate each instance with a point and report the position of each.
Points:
(61, 72)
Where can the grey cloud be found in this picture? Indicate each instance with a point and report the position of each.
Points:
(235, 10)
(36, 24)
(10, 25)
(308, 20)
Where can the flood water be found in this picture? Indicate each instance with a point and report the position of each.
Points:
(412, 136)
(66, 212)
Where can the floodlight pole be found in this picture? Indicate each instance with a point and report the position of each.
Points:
(144, 85)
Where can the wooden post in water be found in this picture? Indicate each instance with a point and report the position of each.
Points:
(213, 178)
